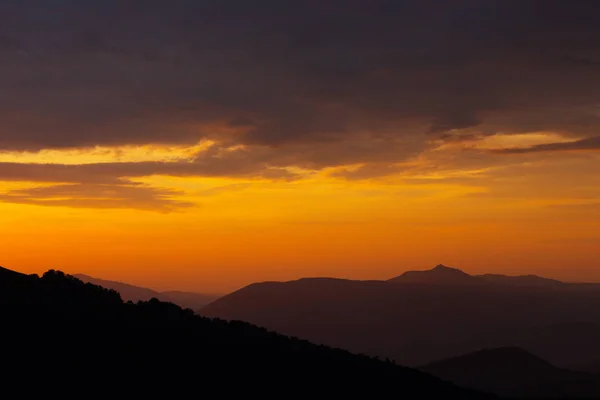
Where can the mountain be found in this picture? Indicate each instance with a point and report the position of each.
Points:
(417, 322)
(438, 275)
(442, 274)
(189, 300)
(565, 344)
(61, 336)
(135, 293)
(523, 280)
(514, 372)
(593, 367)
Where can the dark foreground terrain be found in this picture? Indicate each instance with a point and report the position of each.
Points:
(62, 337)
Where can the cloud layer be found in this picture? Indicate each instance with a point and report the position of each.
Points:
(88, 73)
(87, 195)
(295, 84)
(591, 143)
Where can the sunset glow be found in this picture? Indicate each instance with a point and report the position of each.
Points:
(158, 157)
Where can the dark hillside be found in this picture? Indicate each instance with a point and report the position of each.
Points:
(65, 337)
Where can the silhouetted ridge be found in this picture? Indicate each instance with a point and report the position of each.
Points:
(135, 293)
(417, 323)
(525, 280)
(501, 359)
(7, 274)
(440, 274)
(71, 338)
(512, 372)
(593, 367)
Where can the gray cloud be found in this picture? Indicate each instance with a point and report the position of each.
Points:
(84, 73)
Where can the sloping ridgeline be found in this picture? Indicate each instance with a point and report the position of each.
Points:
(514, 372)
(62, 336)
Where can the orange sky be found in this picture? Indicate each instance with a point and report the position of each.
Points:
(525, 215)
(207, 145)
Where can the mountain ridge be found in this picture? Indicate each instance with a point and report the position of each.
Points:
(400, 320)
(514, 372)
(134, 293)
(58, 326)
(440, 274)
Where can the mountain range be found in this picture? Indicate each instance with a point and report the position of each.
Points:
(443, 275)
(423, 316)
(63, 337)
(134, 293)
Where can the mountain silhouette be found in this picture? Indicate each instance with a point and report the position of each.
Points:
(442, 274)
(514, 372)
(566, 344)
(63, 337)
(593, 367)
(135, 293)
(418, 322)
(438, 275)
(523, 280)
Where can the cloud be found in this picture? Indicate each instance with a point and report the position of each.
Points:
(368, 171)
(93, 195)
(250, 162)
(287, 74)
(233, 187)
(591, 143)
(212, 163)
(285, 89)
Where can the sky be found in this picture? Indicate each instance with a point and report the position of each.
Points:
(204, 145)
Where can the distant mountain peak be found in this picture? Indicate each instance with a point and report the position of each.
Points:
(441, 268)
(440, 274)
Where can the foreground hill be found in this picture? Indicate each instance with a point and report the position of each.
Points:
(63, 337)
(515, 372)
(135, 293)
(427, 318)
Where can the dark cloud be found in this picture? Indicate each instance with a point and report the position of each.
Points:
(279, 73)
(592, 143)
(86, 195)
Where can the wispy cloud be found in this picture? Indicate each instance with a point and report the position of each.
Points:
(92, 195)
(592, 143)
